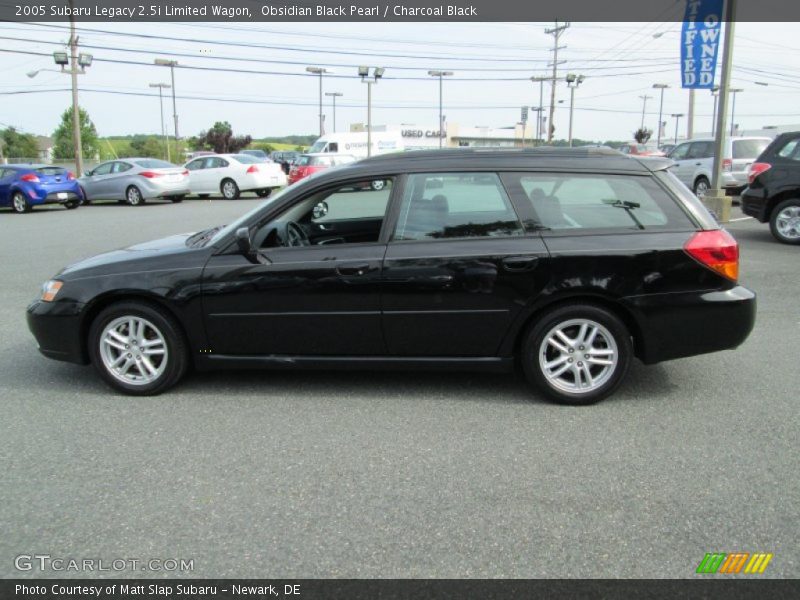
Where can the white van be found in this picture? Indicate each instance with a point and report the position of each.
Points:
(356, 143)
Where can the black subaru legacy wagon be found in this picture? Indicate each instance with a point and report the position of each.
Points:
(564, 263)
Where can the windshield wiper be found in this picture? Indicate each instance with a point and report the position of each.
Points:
(628, 206)
(200, 238)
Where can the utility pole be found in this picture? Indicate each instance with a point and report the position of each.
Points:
(556, 32)
(319, 71)
(734, 91)
(76, 110)
(644, 98)
(161, 87)
(441, 75)
(334, 95)
(714, 93)
(377, 73)
(662, 87)
(677, 117)
(163, 62)
(573, 81)
(540, 108)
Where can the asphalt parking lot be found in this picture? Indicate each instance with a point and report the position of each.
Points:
(392, 475)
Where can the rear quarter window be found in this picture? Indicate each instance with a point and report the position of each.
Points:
(587, 202)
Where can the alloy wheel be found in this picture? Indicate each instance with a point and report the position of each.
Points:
(133, 350)
(578, 356)
(788, 222)
(20, 204)
(134, 196)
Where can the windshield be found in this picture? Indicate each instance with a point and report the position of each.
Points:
(318, 146)
(153, 163)
(240, 222)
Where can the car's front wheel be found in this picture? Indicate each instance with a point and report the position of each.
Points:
(229, 189)
(177, 199)
(264, 193)
(785, 221)
(133, 196)
(20, 203)
(137, 348)
(577, 353)
(72, 204)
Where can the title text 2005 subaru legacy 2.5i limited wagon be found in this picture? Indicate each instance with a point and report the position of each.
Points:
(566, 262)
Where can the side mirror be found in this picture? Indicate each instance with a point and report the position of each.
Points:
(87, 173)
(245, 245)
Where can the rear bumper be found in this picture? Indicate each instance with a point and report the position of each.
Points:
(57, 329)
(754, 204)
(53, 194)
(686, 324)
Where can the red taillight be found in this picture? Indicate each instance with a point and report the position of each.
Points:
(30, 177)
(727, 164)
(717, 250)
(150, 174)
(252, 169)
(757, 169)
(185, 172)
(70, 176)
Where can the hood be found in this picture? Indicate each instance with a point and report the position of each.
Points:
(143, 256)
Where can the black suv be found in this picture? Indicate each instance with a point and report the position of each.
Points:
(566, 263)
(774, 192)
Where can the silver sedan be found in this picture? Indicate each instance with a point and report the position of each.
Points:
(135, 180)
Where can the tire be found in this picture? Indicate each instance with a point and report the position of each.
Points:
(19, 203)
(204, 196)
(701, 187)
(177, 199)
(229, 189)
(72, 204)
(165, 368)
(85, 201)
(133, 196)
(264, 193)
(378, 185)
(784, 221)
(539, 356)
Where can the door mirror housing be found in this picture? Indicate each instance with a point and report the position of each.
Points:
(87, 173)
(245, 245)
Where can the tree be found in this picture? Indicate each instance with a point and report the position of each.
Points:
(62, 138)
(146, 145)
(642, 134)
(18, 145)
(220, 139)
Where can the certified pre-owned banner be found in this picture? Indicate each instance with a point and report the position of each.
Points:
(700, 37)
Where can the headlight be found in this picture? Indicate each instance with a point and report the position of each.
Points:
(50, 290)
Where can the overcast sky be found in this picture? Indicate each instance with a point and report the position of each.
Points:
(621, 62)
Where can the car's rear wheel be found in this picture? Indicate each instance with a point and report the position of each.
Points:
(229, 189)
(577, 353)
(264, 193)
(785, 221)
(177, 199)
(133, 196)
(20, 203)
(137, 348)
(69, 205)
(701, 187)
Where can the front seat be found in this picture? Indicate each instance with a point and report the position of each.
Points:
(548, 208)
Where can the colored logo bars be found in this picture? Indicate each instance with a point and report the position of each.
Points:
(732, 563)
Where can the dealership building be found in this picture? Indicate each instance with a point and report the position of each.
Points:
(420, 137)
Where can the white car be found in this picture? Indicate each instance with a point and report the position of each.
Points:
(232, 174)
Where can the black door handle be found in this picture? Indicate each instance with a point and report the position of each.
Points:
(697, 164)
(520, 263)
(360, 269)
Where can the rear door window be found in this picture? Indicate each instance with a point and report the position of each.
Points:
(576, 202)
(749, 148)
(455, 205)
(701, 150)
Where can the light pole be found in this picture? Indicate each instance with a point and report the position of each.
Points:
(677, 117)
(734, 91)
(644, 99)
(319, 71)
(334, 95)
(377, 73)
(715, 94)
(163, 62)
(573, 81)
(539, 110)
(441, 75)
(161, 87)
(662, 87)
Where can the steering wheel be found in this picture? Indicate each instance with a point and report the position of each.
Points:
(296, 235)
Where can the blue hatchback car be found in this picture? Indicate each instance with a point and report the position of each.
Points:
(24, 186)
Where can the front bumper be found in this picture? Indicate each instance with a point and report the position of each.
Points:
(57, 329)
(686, 324)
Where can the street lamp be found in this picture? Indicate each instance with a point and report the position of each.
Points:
(734, 91)
(715, 94)
(662, 87)
(573, 81)
(539, 122)
(319, 71)
(440, 75)
(161, 87)
(377, 73)
(163, 62)
(334, 95)
(644, 99)
(677, 117)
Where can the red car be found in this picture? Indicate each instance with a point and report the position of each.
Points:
(308, 164)
(637, 149)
